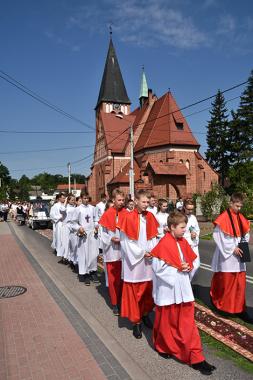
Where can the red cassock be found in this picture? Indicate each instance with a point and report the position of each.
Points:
(228, 291)
(110, 220)
(137, 299)
(114, 281)
(175, 331)
(228, 288)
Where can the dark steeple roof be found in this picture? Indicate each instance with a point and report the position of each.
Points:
(112, 88)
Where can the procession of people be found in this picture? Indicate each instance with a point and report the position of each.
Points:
(150, 254)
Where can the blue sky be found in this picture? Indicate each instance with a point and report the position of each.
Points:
(58, 50)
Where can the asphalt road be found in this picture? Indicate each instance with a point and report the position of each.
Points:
(203, 277)
(115, 332)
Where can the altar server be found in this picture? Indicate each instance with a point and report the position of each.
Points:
(229, 278)
(83, 224)
(175, 332)
(110, 238)
(192, 233)
(58, 214)
(138, 237)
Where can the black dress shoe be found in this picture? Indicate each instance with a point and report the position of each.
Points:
(209, 366)
(87, 279)
(60, 261)
(245, 317)
(163, 355)
(115, 310)
(202, 368)
(137, 331)
(147, 322)
(81, 277)
(75, 270)
(94, 277)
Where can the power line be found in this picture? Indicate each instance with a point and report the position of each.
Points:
(130, 121)
(40, 99)
(45, 132)
(46, 150)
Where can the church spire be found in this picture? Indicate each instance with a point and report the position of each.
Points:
(144, 88)
(112, 87)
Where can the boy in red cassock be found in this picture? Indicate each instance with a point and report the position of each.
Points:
(175, 332)
(138, 230)
(111, 247)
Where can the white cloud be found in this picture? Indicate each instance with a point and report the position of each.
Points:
(226, 24)
(141, 22)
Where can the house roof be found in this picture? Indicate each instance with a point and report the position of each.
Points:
(169, 168)
(112, 87)
(123, 175)
(77, 186)
(116, 130)
(165, 126)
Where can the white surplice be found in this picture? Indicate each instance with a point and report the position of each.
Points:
(137, 268)
(152, 209)
(111, 250)
(162, 218)
(224, 260)
(193, 225)
(170, 286)
(57, 215)
(87, 245)
(65, 235)
(99, 210)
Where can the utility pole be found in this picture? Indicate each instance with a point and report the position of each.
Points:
(69, 174)
(131, 170)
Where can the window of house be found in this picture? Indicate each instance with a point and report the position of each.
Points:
(181, 161)
(187, 164)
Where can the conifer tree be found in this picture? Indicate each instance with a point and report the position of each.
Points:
(217, 137)
(245, 114)
(235, 139)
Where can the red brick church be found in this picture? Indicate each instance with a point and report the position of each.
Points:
(166, 154)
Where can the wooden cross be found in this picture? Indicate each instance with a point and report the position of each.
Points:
(87, 218)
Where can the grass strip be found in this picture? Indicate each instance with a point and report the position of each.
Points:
(223, 351)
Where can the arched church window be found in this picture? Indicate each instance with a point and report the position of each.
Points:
(187, 164)
(181, 161)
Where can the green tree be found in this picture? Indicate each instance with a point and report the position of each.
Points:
(24, 187)
(235, 139)
(214, 202)
(245, 114)
(5, 180)
(217, 137)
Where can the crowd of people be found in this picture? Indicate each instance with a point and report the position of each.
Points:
(150, 252)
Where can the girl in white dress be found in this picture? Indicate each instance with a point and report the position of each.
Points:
(162, 217)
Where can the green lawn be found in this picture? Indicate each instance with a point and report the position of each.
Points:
(225, 352)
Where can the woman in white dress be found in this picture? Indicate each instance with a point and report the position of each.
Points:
(162, 217)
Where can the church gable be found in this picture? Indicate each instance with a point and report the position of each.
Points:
(165, 126)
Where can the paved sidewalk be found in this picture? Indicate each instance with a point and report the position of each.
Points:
(37, 341)
(108, 339)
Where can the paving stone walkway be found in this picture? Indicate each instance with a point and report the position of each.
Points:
(37, 341)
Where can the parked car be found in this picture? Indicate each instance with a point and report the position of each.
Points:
(39, 215)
